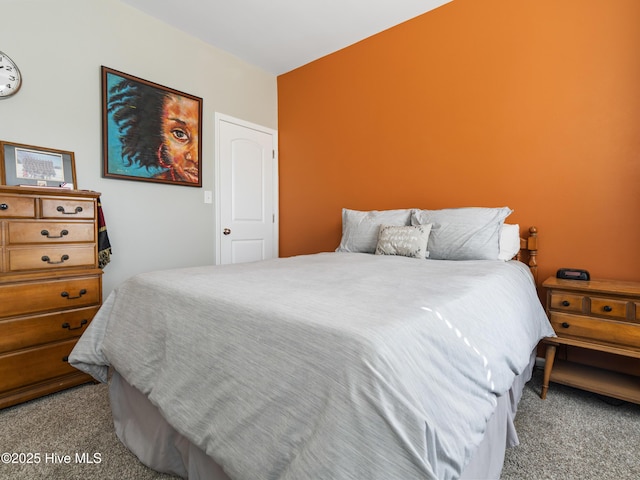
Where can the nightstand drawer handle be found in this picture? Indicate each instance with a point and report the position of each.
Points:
(607, 308)
(45, 233)
(4, 206)
(63, 259)
(565, 303)
(66, 294)
(75, 212)
(82, 324)
(565, 325)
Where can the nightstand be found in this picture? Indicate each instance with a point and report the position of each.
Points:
(594, 316)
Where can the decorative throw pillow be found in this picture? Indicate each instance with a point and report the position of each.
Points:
(471, 233)
(408, 241)
(360, 228)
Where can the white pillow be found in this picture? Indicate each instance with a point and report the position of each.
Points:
(360, 228)
(471, 233)
(509, 241)
(408, 241)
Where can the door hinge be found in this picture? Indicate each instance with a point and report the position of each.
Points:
(273, 154)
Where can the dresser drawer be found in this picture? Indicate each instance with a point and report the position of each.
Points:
(67, 208)
(17, 207)
(18, 333)
(47, 296)
(45, 257)
(609, 307)
(566, 301)
(33, 365)
(596, 329)
(49, 232)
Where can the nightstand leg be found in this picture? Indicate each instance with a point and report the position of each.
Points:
(550, 356)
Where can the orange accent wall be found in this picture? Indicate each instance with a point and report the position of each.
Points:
(534, 105)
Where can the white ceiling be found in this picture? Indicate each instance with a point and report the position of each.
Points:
(281, 35)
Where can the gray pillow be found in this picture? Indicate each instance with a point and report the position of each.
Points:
(471, 233)
(408, 241)
(360, 228)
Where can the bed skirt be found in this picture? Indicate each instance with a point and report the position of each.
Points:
(143, 430)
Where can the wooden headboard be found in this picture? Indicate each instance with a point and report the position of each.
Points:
(529, 251)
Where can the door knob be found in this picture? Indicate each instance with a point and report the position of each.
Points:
(226, 231)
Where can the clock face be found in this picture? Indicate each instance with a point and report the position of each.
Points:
(10, 78)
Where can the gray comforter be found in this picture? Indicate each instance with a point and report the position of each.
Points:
(329, 366)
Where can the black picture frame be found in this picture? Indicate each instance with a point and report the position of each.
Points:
(22, 164)
(150, 132)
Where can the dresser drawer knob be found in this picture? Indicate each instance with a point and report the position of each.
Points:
(63, 259)
(67, 325)
(65, 358)
(607, 308)
(565, 325)
(565, 303)
(45, 233)
(4, 206)
(66, 294)
(61, 209)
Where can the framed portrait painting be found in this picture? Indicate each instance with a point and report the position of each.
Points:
(150, 132)
(36, 166)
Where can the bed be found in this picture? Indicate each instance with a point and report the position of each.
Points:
(401, 355)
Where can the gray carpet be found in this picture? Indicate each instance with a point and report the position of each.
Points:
(570, 435)
(573, 434)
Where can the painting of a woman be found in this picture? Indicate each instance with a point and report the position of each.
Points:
(152, 133)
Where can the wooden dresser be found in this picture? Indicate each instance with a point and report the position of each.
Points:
(598, 343)
(50, 287)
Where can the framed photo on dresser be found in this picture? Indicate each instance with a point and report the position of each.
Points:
(36, 166)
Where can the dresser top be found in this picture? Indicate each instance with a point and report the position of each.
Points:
(48, 191)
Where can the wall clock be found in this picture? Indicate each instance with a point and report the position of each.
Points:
(10, 78)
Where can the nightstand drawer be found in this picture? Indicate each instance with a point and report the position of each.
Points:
(609, 307)
(50, 232)
(595, 329)
(26, 367)
(566, 301)
(47, 257)
(23, 332)
(17, 207)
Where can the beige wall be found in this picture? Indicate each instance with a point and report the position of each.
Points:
(59, 47)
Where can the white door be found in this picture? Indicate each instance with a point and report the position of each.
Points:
(247, 191)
